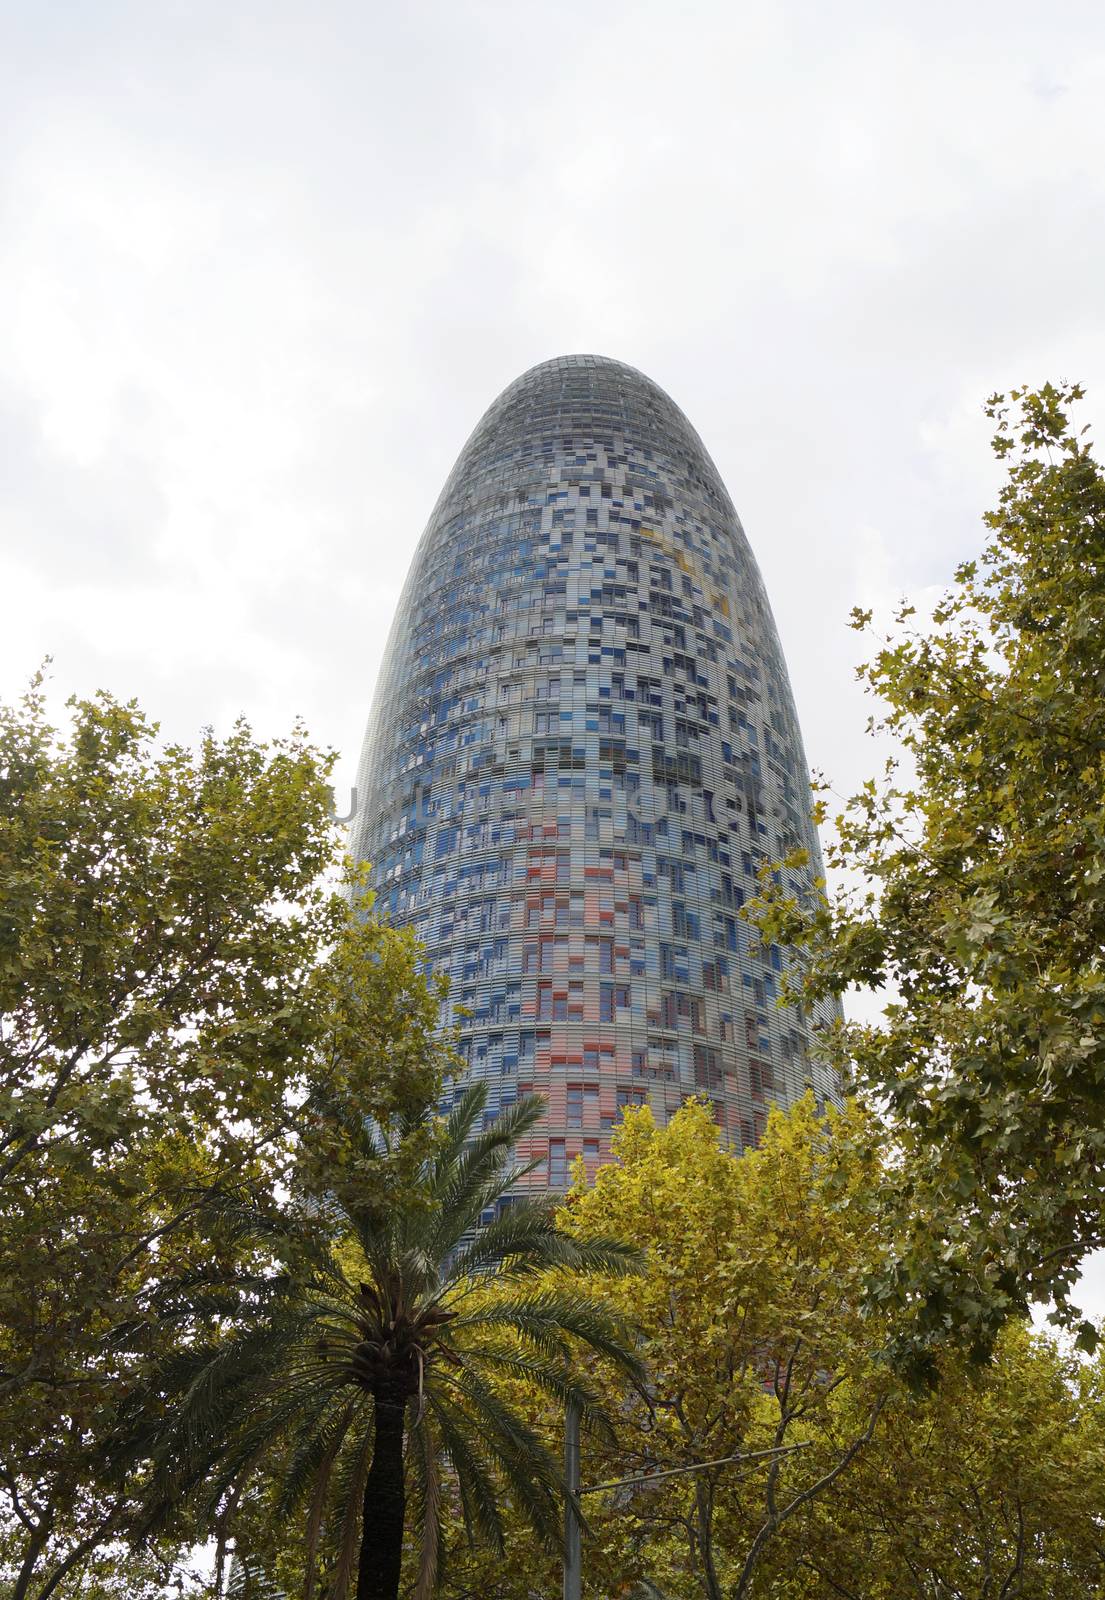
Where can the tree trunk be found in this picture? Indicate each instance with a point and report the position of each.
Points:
(35, 1546)
(384, 1504)
(704, 1516)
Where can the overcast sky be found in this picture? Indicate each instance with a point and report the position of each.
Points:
(263, 266)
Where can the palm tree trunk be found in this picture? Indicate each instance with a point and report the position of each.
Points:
(384, 1504)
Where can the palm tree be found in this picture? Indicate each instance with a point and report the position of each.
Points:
(381, 1365)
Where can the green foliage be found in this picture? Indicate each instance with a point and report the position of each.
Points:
(176, 981)
(249, 1581)
(984, 915)
(410, 1312)
(751, 1328)
(751, 1332)
(991, 1485)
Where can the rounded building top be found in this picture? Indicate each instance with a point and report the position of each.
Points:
(583, 372)
(560, 406)
(584, 362)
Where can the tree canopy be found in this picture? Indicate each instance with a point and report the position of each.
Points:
(987, 1487)
(750, 1327)
(982, 913)
(756, 1337)
(175, 972)
(381, 1362)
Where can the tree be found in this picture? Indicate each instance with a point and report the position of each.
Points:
(751, 1331)
(983, 915)
(989, 1486)
(381, 1362)
(173, 972)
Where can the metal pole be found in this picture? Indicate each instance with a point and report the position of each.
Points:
(573, 1543)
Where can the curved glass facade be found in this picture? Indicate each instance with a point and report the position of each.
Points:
(583, 745)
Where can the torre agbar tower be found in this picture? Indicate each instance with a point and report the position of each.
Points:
(583, 745)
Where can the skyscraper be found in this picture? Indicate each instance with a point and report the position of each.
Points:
(582, 747)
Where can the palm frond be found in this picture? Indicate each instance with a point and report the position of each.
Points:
(520, 1455)
(526, 1240)
(605, 1256)
(319, 1432)
(550, 1318)
(249, 1581)
(269, 1420)
(424, 1454)
(332, 1441)
(553, 1379)
(362, 1138)
(235, 1219)
(215, 1391)
(466, 1111)
(258, 1421)
(350, 1496)
(475, 1485)
(467, 1180)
